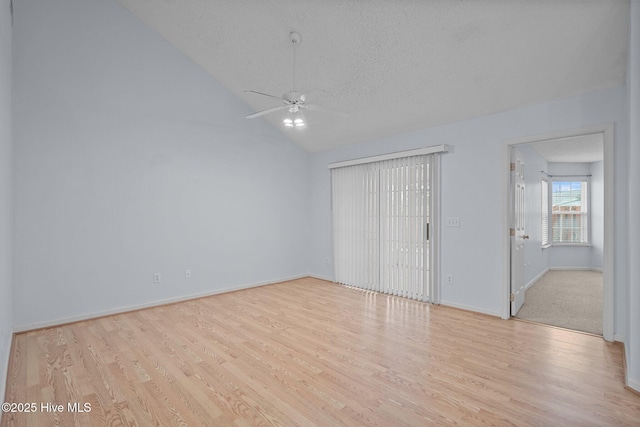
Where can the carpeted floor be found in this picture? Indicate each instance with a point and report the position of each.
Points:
(569, 299)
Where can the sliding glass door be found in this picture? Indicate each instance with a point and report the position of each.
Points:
(382, 213)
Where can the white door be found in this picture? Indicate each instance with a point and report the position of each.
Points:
(518, 232)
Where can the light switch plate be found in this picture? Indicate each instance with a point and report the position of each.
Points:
(453, 221)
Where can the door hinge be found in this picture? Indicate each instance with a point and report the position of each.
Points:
(512, 232)
(512, 297)
(512, 167)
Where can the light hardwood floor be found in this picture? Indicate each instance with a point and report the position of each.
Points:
(309, 352)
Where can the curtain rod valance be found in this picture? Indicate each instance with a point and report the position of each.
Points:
(565, 176)
(398, 155)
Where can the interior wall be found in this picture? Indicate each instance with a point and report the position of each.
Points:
(535, 257)
(6, 193)
(596, 213)
(632, 342)
(130, 160)
(472, 190)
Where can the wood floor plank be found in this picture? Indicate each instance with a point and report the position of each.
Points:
(309, 352)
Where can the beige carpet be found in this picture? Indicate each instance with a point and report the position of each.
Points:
(569, 299)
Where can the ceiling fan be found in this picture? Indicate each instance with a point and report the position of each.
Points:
(294, 101)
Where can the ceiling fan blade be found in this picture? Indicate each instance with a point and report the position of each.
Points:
(263, 94)
(327, 110)
(267, 111)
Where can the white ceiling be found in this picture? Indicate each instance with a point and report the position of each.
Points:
(400, 65)
(576, 149)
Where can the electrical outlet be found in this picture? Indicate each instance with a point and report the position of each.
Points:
(450, 279)
(187, 273)
(157, 277)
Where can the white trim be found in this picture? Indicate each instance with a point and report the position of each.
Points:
(535, 279)
(631, 383)
(608, 280)
(57, 322)
(317, 276)
(3, 386)
(618, 338)
(505, 217)
(400, 154)
(608, 254)
(470, 308)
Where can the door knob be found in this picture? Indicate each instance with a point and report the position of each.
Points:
(525, 236)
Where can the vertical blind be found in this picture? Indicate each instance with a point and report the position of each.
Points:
(381, 213)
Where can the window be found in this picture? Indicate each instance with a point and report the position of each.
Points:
(569, 211)
(544, 209)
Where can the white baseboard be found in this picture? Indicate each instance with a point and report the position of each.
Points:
(535, 279)
(87, 316)
(5, 372)
(575, 269)
(618, 338)
(327, 278)
(470, 308)
(546, 270)
(633, 384)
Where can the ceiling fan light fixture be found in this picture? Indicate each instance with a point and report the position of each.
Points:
(297, 122)
(293, 101)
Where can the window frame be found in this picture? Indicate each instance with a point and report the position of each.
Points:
(586, 215)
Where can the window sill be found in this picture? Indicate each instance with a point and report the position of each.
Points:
(572, 244)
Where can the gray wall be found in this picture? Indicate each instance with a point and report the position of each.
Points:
(131, 160)
(632, 344)
(6, 322)
(472, 190)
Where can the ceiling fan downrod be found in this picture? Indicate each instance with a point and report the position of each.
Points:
(295, 40)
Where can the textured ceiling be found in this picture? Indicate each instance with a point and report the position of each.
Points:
(397, 66)
(576, 149)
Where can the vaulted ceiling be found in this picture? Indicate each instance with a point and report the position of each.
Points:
(401, 65)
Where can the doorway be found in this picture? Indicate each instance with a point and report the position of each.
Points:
(581, 254)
